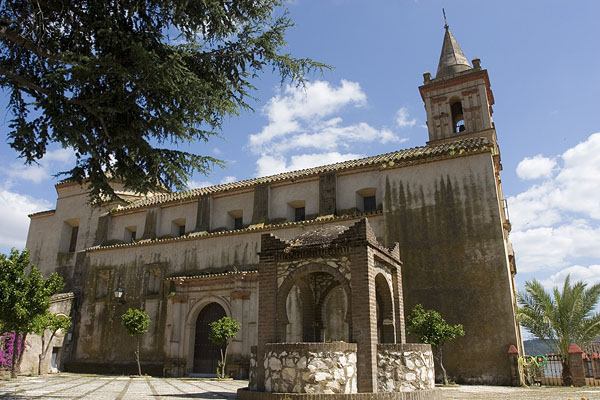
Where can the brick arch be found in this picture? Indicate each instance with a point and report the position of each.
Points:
(294, 278)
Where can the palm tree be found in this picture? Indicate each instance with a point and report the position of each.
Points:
(560, 319)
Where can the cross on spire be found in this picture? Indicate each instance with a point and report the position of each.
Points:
(445, 22)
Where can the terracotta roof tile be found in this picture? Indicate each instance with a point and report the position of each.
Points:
(211, 275)
(387, 160)
(250, 229)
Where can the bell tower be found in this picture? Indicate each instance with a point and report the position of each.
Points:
(458, 101)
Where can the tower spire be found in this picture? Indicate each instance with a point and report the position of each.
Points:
(452, 59)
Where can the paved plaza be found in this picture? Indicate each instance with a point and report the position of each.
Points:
(78, 386)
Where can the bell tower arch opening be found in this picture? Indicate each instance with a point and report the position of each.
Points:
(458, 119)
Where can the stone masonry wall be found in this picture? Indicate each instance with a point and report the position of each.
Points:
(311, 368)
(404, 367)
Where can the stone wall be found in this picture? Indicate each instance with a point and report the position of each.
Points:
(404, 367)
(311, 368)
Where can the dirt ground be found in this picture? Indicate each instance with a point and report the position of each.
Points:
(464, 392)
(79, 386)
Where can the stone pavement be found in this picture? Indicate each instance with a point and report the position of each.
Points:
(79, 386)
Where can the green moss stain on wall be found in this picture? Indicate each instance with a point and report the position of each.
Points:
(151, 223)
(452, 250)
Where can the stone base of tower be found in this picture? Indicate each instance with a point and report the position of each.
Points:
(429, 394)
(329, 371)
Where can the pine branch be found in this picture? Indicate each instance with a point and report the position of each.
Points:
(19, 40)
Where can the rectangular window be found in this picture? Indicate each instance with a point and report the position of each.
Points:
(73, 242)
(369, 203)
(238, 223)
(299, 214)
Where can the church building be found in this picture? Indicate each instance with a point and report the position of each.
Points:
(189, 258)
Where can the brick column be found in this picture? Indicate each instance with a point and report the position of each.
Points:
(576, 365)
(364, 323)
(398, 306)
(267, 309)
(513, 360)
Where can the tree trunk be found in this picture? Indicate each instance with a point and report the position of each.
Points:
(137, 357)
(566, 373)
(13, 364)
(444, 375)
(224, 356)
(21, 351)
(42, 353)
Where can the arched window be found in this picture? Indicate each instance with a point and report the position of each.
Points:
(458, 120)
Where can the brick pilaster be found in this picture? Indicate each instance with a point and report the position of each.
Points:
(513, 361)
(364, 323)
(267, 295)
(576, 365)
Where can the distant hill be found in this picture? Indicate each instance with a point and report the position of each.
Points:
(534, 347)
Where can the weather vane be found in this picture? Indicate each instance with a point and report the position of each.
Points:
(445, 22)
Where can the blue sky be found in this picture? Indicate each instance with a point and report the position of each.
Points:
(543, 59)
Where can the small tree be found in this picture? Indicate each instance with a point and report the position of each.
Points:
(136, 323)
(24, 296)
(431, 328)
(221, 332)
(53, 323)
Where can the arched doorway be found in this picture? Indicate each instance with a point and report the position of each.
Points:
(206, 354)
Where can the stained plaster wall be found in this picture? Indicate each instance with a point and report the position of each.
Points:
(349, 184)
(282, 195)
(186, 211)
(221, 205)
(117, 225)
(49, 235)
(446, 217)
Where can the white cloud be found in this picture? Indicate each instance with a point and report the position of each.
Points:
(403, 120)
(536, 167)
(556, 222)
(307, 119)
(270, 165)
(551, 248)
(298, 105)
(59, 156)
(32, 173)
(228, 179)
(37, 173)
(13, 214)
(573, 189)
(589, 275)
(199, 184)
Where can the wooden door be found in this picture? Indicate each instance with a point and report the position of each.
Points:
(207, 354)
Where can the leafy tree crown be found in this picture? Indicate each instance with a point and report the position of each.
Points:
(123, 82)
(24, 293)
(135, 321)
(431, 328)
(52, 322)
(222, 330)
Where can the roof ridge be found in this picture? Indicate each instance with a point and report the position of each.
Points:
(403, 154)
